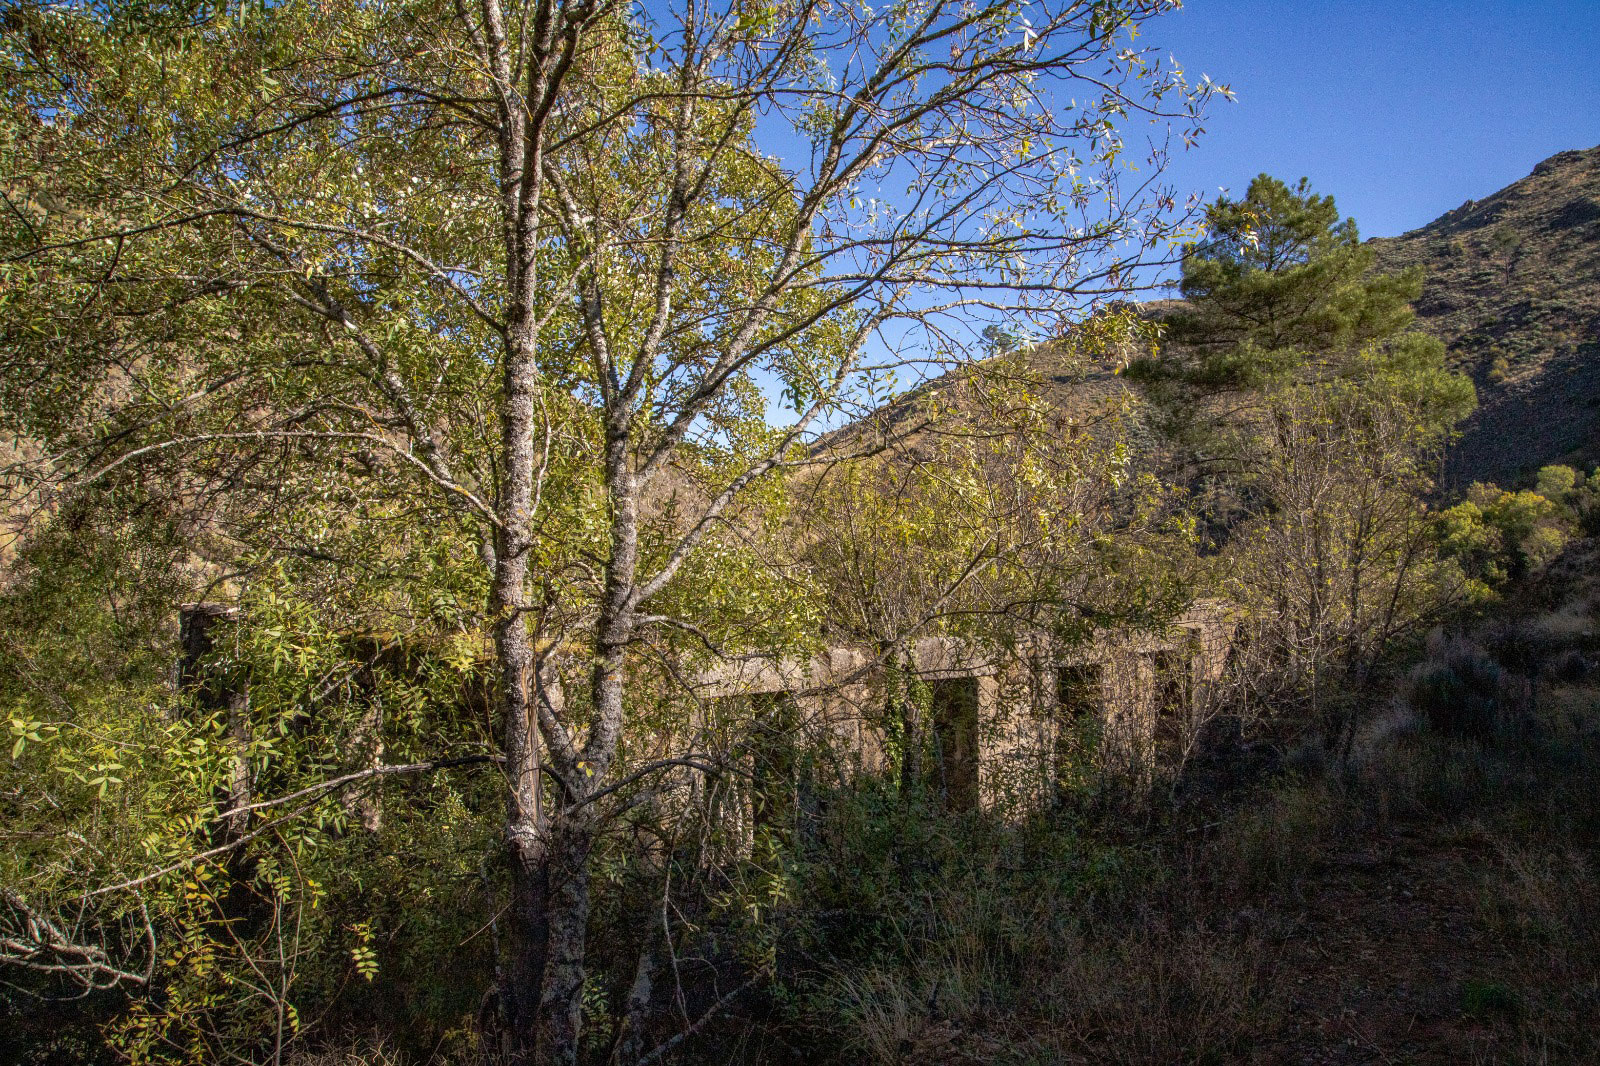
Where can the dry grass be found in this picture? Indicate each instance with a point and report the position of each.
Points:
(372, 1052)
(1136, 996)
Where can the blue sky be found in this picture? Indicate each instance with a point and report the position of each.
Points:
(1401, 110)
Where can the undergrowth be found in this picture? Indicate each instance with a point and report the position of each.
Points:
(922, 939)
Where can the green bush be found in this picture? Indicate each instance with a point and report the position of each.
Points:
(1487, 999)
(1461, 696)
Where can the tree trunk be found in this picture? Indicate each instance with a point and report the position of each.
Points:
(628, 1047)
(527, 932)
(528, 928)
(567, 910)
(522, 973)
(569, 835)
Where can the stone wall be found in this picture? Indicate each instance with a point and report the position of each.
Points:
(1133, 694)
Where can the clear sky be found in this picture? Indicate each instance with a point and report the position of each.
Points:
(1401, 110)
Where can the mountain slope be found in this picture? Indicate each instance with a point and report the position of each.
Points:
(1513, 289)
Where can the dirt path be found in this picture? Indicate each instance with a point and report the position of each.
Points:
(1390, 960)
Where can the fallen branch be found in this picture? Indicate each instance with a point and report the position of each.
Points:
(700, 1022)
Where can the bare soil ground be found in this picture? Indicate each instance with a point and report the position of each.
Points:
(1391, 960)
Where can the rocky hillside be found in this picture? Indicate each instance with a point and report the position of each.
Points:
(1513, 289)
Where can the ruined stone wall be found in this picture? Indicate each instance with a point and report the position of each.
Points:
(1136, 696)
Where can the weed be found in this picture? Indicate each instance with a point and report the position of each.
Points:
(1486, 1000)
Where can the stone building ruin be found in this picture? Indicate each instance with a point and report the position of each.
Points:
(1008, 727)
(1005, 724)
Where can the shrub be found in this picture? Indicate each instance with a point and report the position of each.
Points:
(1569, 667)
(1461, 694)
(1555, 483)
(1486, 999)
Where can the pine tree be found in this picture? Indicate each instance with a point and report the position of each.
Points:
(1307, 419)
(1283, 292)
(1281, 282)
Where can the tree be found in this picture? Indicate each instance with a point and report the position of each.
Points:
(504, 278)
(1281, 294)
(1342, 560)
(1309, 419)
(999, 340)
(1281, 280)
